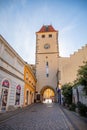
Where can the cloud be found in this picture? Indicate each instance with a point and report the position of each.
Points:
(72, 24)
(68, 28)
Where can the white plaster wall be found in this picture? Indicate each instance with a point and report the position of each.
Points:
(12, 69)
(8, 54)
(82, 96)
(12, 89)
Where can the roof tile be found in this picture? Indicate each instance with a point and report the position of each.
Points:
(47, 28)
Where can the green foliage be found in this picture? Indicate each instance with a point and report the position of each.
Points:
(72, 107)
(82, 109)
(82, 76)
(67, 93)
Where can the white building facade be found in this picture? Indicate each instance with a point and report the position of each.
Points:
(79, 95)
(11, 77)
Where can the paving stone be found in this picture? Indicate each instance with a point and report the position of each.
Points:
(39, 117)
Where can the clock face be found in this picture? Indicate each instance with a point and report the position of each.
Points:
(47, 46)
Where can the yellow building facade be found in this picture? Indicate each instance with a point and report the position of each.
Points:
(30, 85)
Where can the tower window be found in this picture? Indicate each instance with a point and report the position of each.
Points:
(43, 36)
(50, 35)
(47, 69)
(47, 64)
(47, 75)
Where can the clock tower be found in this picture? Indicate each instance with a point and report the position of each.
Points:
(47, 54)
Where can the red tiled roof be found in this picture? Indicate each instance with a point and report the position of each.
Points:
(47, 28)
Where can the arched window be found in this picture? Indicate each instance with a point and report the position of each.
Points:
(18, 92)
(47, 69)
(4, 93)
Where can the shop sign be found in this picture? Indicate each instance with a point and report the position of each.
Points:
(5, 83)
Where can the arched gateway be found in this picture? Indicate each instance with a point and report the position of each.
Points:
(47, 92)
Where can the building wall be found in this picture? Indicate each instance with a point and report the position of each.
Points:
(81, 95)
(11, 69)
(46, 55)
(14, 82)
(30, 85)
(69, 66)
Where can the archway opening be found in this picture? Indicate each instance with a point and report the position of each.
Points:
(48, 95)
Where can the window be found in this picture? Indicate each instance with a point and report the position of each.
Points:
(18, 93)
(47, 75)
(43, 36)
(27, 76)
(4, 93)
(47, 69)
(50, 35)
(59, 75)
(46, 63)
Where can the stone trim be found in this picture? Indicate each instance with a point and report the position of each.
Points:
(48, 53)
(10, 65)
(10, 73)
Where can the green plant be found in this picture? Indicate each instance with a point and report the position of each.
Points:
(82, 77)
(67, 93)
(82, 109)
(72, 107)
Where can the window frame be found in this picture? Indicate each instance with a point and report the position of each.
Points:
(50, 35)
(43, 36)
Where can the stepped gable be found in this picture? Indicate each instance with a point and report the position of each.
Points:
(47, 28)
(82, 48)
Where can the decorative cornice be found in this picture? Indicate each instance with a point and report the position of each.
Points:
(11, 66)
(12, 50)
(10, 73)
(48, 53)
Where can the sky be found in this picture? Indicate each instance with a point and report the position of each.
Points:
(21, 19)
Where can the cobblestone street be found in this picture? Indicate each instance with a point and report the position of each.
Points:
(44, 117)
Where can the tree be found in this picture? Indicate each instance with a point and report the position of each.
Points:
(67, 93)
(82, 76)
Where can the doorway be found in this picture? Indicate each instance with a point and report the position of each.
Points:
(27, 97)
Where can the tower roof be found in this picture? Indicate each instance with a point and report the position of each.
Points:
(47, 28)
